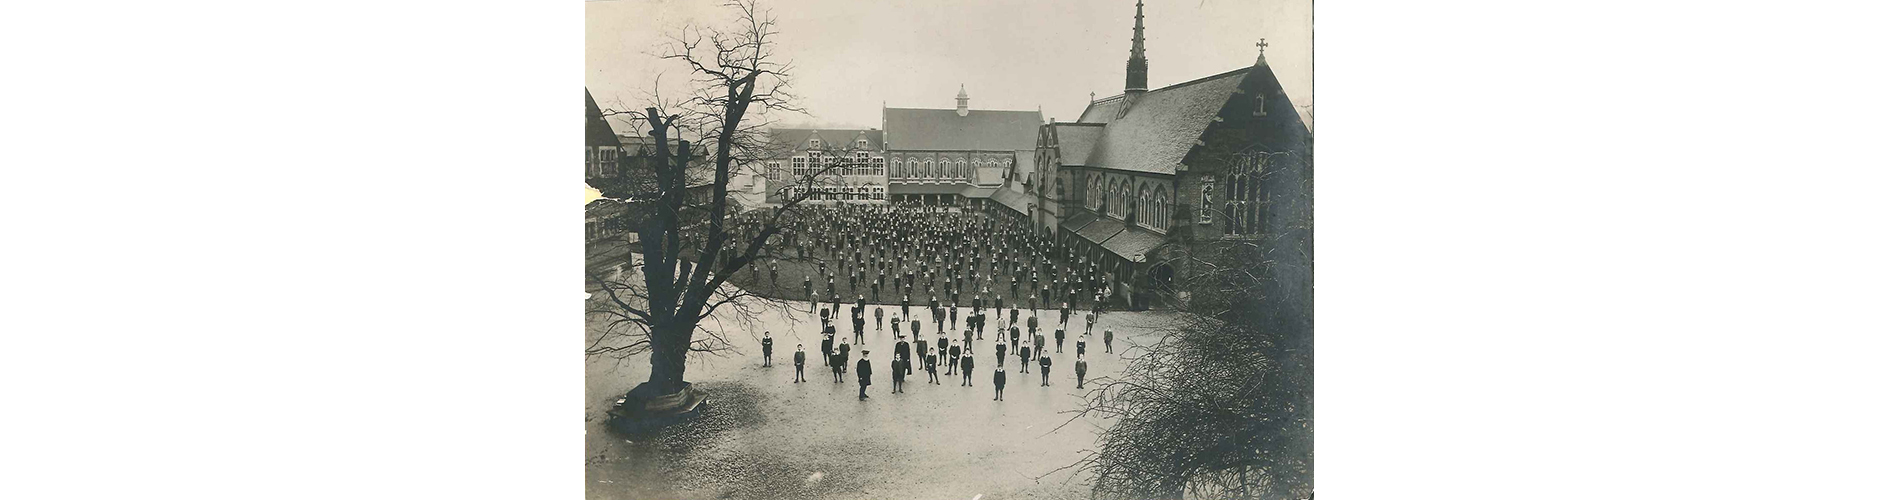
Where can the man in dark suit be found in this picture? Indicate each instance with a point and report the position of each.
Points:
(864, 375)
(902, 350)
(898, 368)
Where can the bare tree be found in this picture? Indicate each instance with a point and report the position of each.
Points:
(678, 199)
(1221, 405)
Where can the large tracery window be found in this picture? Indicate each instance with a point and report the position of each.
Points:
(1247, 198)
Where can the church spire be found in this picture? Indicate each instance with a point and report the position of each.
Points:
(1137, 58)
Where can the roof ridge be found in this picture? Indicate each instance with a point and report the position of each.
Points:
(1203, 79)
(953, 110)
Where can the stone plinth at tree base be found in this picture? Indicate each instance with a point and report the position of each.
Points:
(647, 407)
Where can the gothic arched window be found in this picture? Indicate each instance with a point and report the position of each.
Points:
(1247, 199)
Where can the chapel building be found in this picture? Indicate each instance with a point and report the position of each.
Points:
(1148, 176)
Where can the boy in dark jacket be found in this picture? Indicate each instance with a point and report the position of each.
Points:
(998, 378)
(1045, 368)
(969, 365)
(930, 366)
(798, 364)
(1023, 352)
(767, 344)
(1081, 370)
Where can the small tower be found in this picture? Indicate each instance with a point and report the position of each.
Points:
(963, 101)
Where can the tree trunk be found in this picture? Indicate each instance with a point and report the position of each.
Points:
(670, 341)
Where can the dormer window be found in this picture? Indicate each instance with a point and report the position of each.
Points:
(814, 144)
(863, 143)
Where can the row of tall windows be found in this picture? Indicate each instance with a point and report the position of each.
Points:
(835, 193)
(813, 163)
(1153, 208)
(930, 168)
(602, 161)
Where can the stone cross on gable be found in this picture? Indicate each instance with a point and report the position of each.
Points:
(1262, 60)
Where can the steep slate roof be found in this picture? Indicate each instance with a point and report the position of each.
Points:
(1077, 142)
(1078, 221)
(1156, 133)
(1014, 200)
(989, 176)
(941, 129)
(1101, 230)
(794, 138)
(1133, 243)
(599, 133)
(1024, 164)
(977, 192)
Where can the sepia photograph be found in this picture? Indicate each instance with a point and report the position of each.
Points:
(951, 250)
(987, 249)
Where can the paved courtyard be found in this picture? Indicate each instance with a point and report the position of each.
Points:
(766, 437)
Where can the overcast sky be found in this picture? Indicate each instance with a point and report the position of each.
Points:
(853, 56)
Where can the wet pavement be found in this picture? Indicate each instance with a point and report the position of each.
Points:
(765, 437)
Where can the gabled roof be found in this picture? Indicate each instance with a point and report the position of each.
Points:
(944, 129)
(1076, 141)
(795, 139)
(599, 133)
(1024, 165)
(1156, 132)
